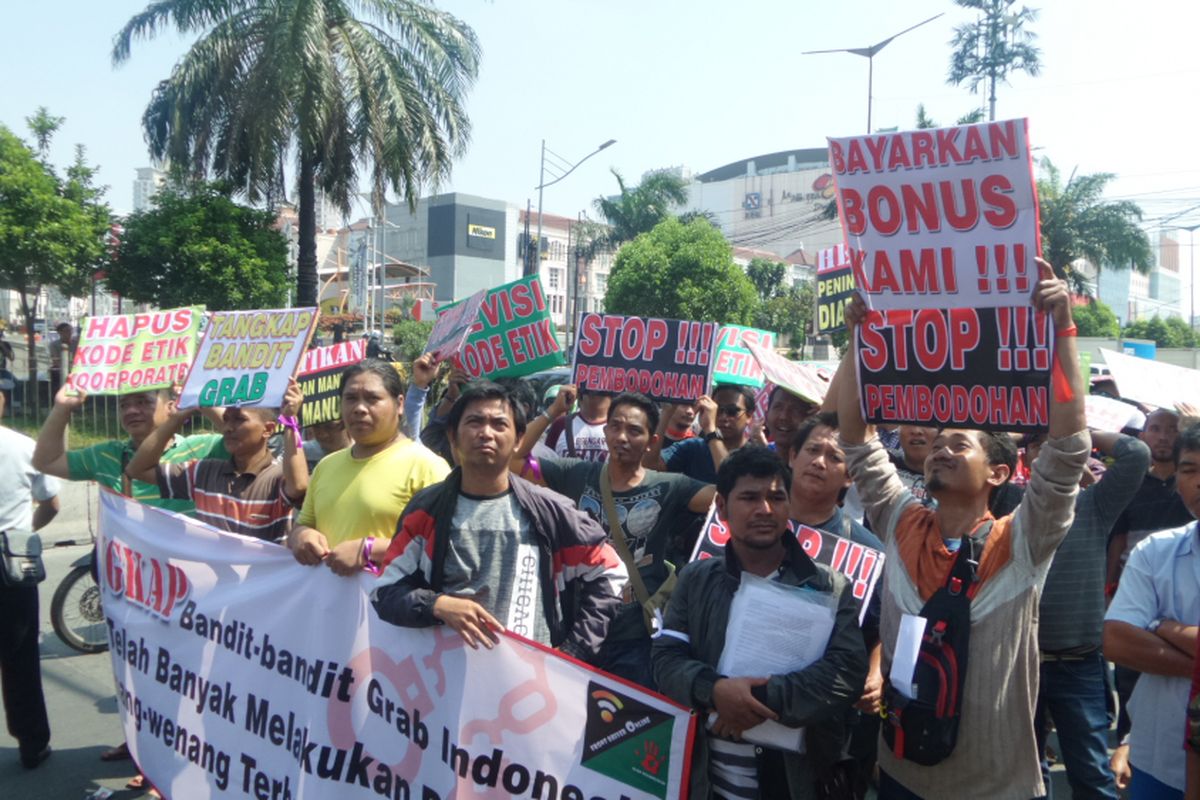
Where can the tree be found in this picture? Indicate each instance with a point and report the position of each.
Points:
(680, 272)
(640, 209)
(272, 78)
(996, 44)
(767, 277)
(1077, 223)
(199, 246)
(51, 231)
(789, 312)
(926, 121)
(1096, 319)
(43, 125)
(409, 338)
(1172, 332)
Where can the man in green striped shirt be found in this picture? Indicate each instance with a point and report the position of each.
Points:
(140, 413)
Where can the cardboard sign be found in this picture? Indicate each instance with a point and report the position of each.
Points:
(1107, 414)
(321, 379)
(799, 379)
(835, 287)
(861, 565)
(453, 326)
(1152, 382)
(513, 335)
(246, 357)
(136, 352)
(665, 359)
(985, 368)
(733, 362)
(943, 218)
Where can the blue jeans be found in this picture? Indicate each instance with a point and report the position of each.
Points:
(1075, 695)
(1144, 786)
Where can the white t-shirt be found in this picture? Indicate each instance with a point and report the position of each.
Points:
(20, 484)
(590, 444)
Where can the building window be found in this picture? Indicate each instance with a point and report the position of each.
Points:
(601, 282)
(554, 278)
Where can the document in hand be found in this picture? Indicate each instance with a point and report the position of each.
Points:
(775, 629)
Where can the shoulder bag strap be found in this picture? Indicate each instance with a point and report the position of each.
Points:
(617, 534)
(569, 432)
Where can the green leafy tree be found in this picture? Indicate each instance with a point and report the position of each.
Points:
(789, 312)
(1172, 332)
(926, 121)
(1077, 222)
(409, 338)
(767, 277)
(337, 84)
(682, 272)
(51, 231)
(638, 210)
(1096, 319)
(198, 246)
(996, 44)
(43, 125)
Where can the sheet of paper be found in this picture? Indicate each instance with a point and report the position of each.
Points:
(758, 644)
(904, 657)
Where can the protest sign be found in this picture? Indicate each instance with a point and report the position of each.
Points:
(453, 326)
(799, 379)
(1152, 382)
(835, 287)
(944, 218)
(226, 688)
(321, 379)
(985, 368)
(135, 352)
(861, 565)
(1107, 414)
(246, 357)
(733, 362)
(513, 335)
(665, 359)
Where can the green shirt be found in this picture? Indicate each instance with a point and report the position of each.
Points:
(105, 464)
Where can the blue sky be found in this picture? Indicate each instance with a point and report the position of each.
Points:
(696, 83)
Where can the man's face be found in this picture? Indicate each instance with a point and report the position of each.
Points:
(628, 434)
(486, 436)
(756, 511)
(683, 417)
(1162, 427)
(245, 431)
(594, 407)
(1187, 480)
(330, 435)
(732, 413)
(958, 463)
(915, 441)
(785, 414)
(142, 412)
(819, 466)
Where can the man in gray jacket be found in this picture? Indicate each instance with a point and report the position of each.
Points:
(752, 499)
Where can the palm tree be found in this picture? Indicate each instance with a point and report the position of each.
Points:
(340, 85)
(998, 43)
(639, 209)
(1078, 224)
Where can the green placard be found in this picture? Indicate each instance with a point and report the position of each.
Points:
(514, 335)
(127, 353)
(733, 362)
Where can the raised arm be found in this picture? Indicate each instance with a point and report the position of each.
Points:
(424, 370)
(295, 465)
(144, 464)
(1121, 481)
(50, 452)
(1053, 297)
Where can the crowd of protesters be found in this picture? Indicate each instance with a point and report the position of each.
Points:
(1034, 563)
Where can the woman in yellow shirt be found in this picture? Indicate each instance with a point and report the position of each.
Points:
(355, 496)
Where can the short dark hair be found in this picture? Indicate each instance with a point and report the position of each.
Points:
(753, 460)
(520, 391)
(999, 448)
(474, 392)
(1188, 439)
(745, 391)
(392, 383)
(826, 419)
(637, 400)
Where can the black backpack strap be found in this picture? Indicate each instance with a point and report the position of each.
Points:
(569, 432)
(963, 573)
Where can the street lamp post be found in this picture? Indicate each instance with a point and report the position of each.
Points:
(542, 184)
(869, 54)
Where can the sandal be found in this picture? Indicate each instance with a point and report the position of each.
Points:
(118, 753)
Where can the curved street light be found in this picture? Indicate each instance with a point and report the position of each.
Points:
(542, 184)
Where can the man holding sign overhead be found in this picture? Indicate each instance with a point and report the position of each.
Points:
(961, 587)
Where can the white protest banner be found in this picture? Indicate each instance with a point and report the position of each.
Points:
(135, 352)
(1152, 382)
(242, 673)
(453, 326)
(246, 357)
(1107, 414)
(942, 218)
(862, 565)
(799, 379)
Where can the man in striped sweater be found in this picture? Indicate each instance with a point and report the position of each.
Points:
(995, 754)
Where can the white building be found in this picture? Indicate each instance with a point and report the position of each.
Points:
(1134, 296)
(147, 184)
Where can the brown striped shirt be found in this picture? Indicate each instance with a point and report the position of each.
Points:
(251, 502)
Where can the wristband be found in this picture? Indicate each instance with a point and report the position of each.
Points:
(368, 564)
(294, 424)
(1073, 330)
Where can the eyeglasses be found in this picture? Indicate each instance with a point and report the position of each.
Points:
(731, 410)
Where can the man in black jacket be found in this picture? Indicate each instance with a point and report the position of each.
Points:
(752, 499)
(485, 550)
